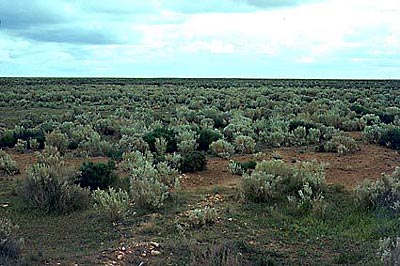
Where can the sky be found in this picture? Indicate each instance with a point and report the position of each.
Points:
(207, 38)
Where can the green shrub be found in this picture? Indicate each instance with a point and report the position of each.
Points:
(384, 193)
(111, 203)
(97, 175)
(235, 168)
(150, 185)
(206, 137)
(10, 248)
(187, 141)
(222, 148)
(161, 132)
(389, 251)
(391, 138)
(193, 161)
(341, 144)
(7, 164)
(8, 139)
(197, 218)
(48, 187)
(21, 146)
(58, 140)
(245, 144)
(275, 180)
(218, 254)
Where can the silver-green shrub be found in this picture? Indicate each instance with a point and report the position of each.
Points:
(235, 168)
(21, 146)
(245, 144)
(274, 180)
(113, 204)
(7, 164)
(58, 140)
(10, 247)
(187, 141)
(222, 148)
(341, 144)
(389, 251)
(383, 193)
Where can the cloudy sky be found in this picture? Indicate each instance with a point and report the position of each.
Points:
(207, 38)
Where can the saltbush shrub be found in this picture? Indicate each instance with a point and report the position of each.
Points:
(341, 144)
(245, 144)
(111, 203)
(161, 132)
(222, 148)
(58, 140)
(383, 193)
(193, 161)
(10, 247)
(206, 137)
(7, 164)
(97, 175)
(48, 187)
(274, 180)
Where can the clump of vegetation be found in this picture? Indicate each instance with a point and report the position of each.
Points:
(386, 135)
(97, 175)
(384, 193)
(197, 218)
(245, 144)
(274, 180)
(150, 185)
(49, 188)
(206, 137)
(10, 247)
(193, 161)
(238, 168)
(111, 203)
(222, 148)
(7, 164)
(158, 133)
(57, 139)
(219, 253)
(21, 146)
(389, 251)
(341, 144)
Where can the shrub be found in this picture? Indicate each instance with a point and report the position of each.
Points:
(389, 251)
(341, 144)
(21, 146)
(193, 161)
(10, 248)
(275, 180)
(8, 139)
(206, 137)
(391, 137)
(222, 148)
(197, 218)
(245, 144)
(135, 159)
(219, 254)
(58, 140)
(7, 164)
(48, 187)
(111, 203)
(187, 141)
(384, 193)
(235, 168)
(97, 175)
(150, 185)
(161, 132)
(373, 134)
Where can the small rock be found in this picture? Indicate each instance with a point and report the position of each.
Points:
(120, 257)
(155, 253)
(143, 254)
(155, 244)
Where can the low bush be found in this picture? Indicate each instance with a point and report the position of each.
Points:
(245, 144)
(206, 137)
(150, 185)
(10, 247)
(218, 254)
(391, 137)
(238, 168)
(197, 218)
(21, 146)
(340, 144)
(97, 175)
(274, 180)
(389, 251)
(7, 164)
(161, 132)
(383, 193)
(222, 148)
(111, 203)
(48, 187)
(193, 161)
(58, 140)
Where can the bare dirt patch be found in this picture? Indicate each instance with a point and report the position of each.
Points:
(348, 170)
